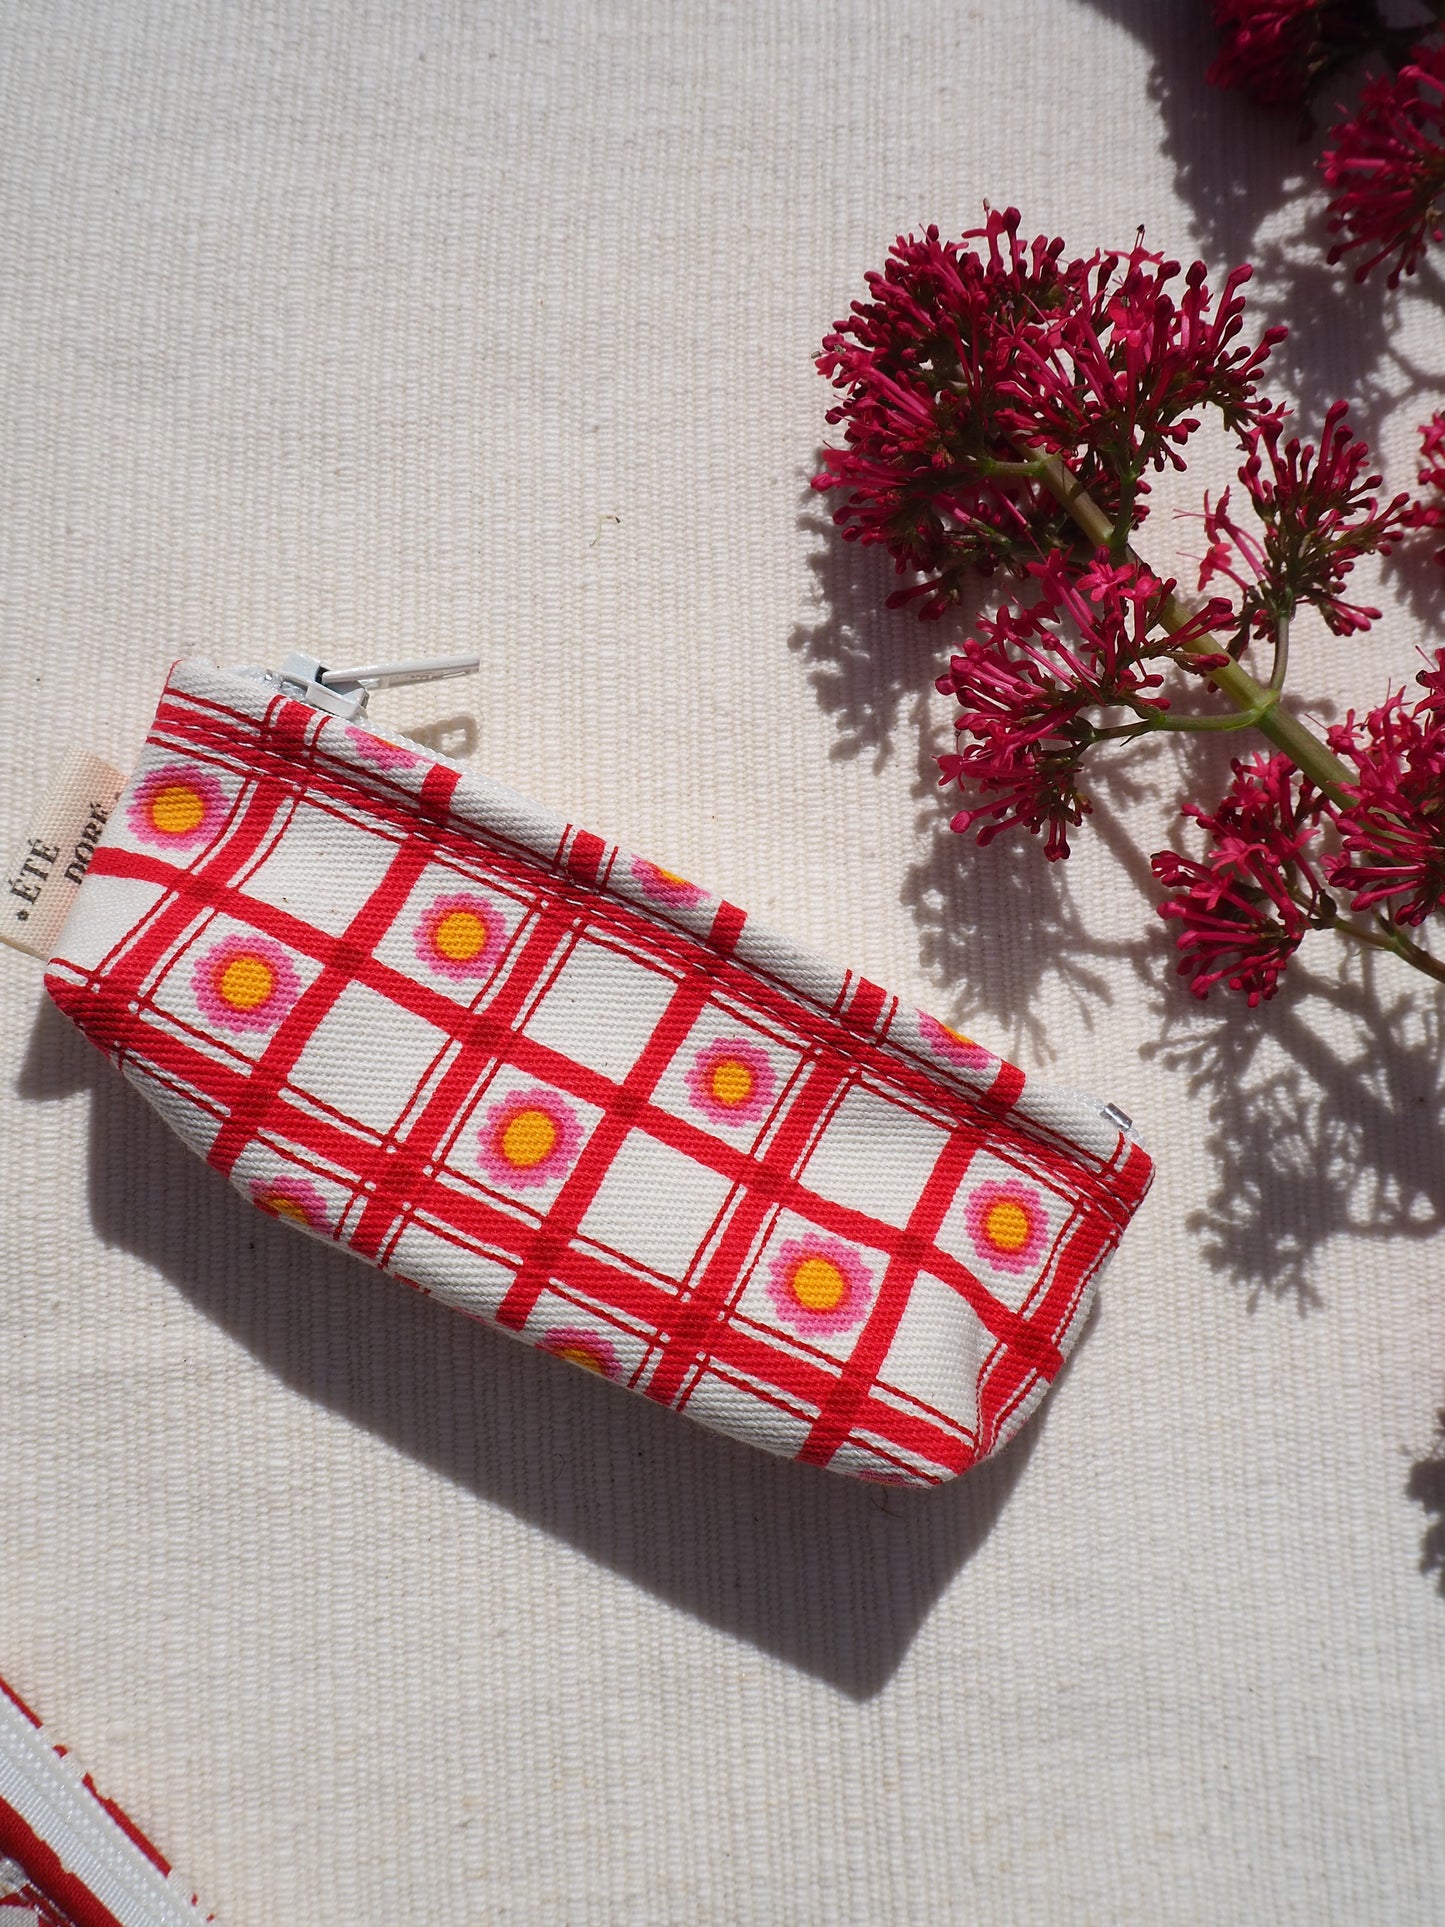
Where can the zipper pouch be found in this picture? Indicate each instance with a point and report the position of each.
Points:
(567, 1091)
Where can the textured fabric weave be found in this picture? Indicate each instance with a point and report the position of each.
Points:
(344, 328)
(572, 1093)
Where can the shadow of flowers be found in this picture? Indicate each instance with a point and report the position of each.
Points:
(1323, 1108)
(1426, 1486)
(869, 667)
(965, 900)
(872, 672)
(1249, 178)
(1324, 1112)
(1234, 162)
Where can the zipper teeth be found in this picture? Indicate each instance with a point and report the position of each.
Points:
(269, 679)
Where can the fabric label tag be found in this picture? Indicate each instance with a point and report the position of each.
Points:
(50, 864)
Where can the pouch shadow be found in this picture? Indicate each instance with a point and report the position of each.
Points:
(831, 1576)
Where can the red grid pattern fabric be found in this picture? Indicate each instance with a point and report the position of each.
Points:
(574, 1094)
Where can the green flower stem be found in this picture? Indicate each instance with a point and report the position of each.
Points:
(1389, 936)
(1260, 706)
(1199, 725)
(1154, 722)
(1280, 666)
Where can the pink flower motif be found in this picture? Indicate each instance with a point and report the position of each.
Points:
(1386, 167)
(585, 1348)
(664, 887)
(731, 1081)
(377, 750)
(295, 1199)
(961, 1050)
(246, 983)
(1007, 1223)
(177, 807)
(461, 936)
(819, 1285)
(530, 1138)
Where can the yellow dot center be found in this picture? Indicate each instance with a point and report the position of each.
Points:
(246, 982)
(580, 1355)
(959, 1037)
(177, 809)
(1006, 1225)
(671, 876)
(285, 1207)
(731, 1081)
(818, 1284)
(460, 935)
(527, 1138)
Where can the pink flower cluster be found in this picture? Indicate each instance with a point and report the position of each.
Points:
(1002, 408)
(975, 360)
(1245, 908)
(1393, 833)
(1029, 675)
(1386, 168)
(1281, 855)
(1385, 162)
(1429, 511)
(1279, 51)
(1318, 515)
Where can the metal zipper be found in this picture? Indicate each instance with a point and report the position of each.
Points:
(343, 692)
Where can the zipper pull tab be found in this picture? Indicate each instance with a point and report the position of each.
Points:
(343, 692)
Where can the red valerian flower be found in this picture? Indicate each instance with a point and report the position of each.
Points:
(1246, 907)
(1236, 553)
(1027, 676)
(1029, 774)
(1432, 452)
(1423, 514)
(1122, 370)
(1386, 168)
(1393, 832)
(976, 360)
(1318, 518)
(1021, 733)
(1279, 51)
(1233, 933)
(923, 365)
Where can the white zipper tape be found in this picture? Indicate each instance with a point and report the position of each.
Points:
(47, 1790)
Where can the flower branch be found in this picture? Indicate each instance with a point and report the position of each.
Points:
(1003, 409)
(1384, 163)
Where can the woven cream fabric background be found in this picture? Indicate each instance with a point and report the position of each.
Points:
(402, 329)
